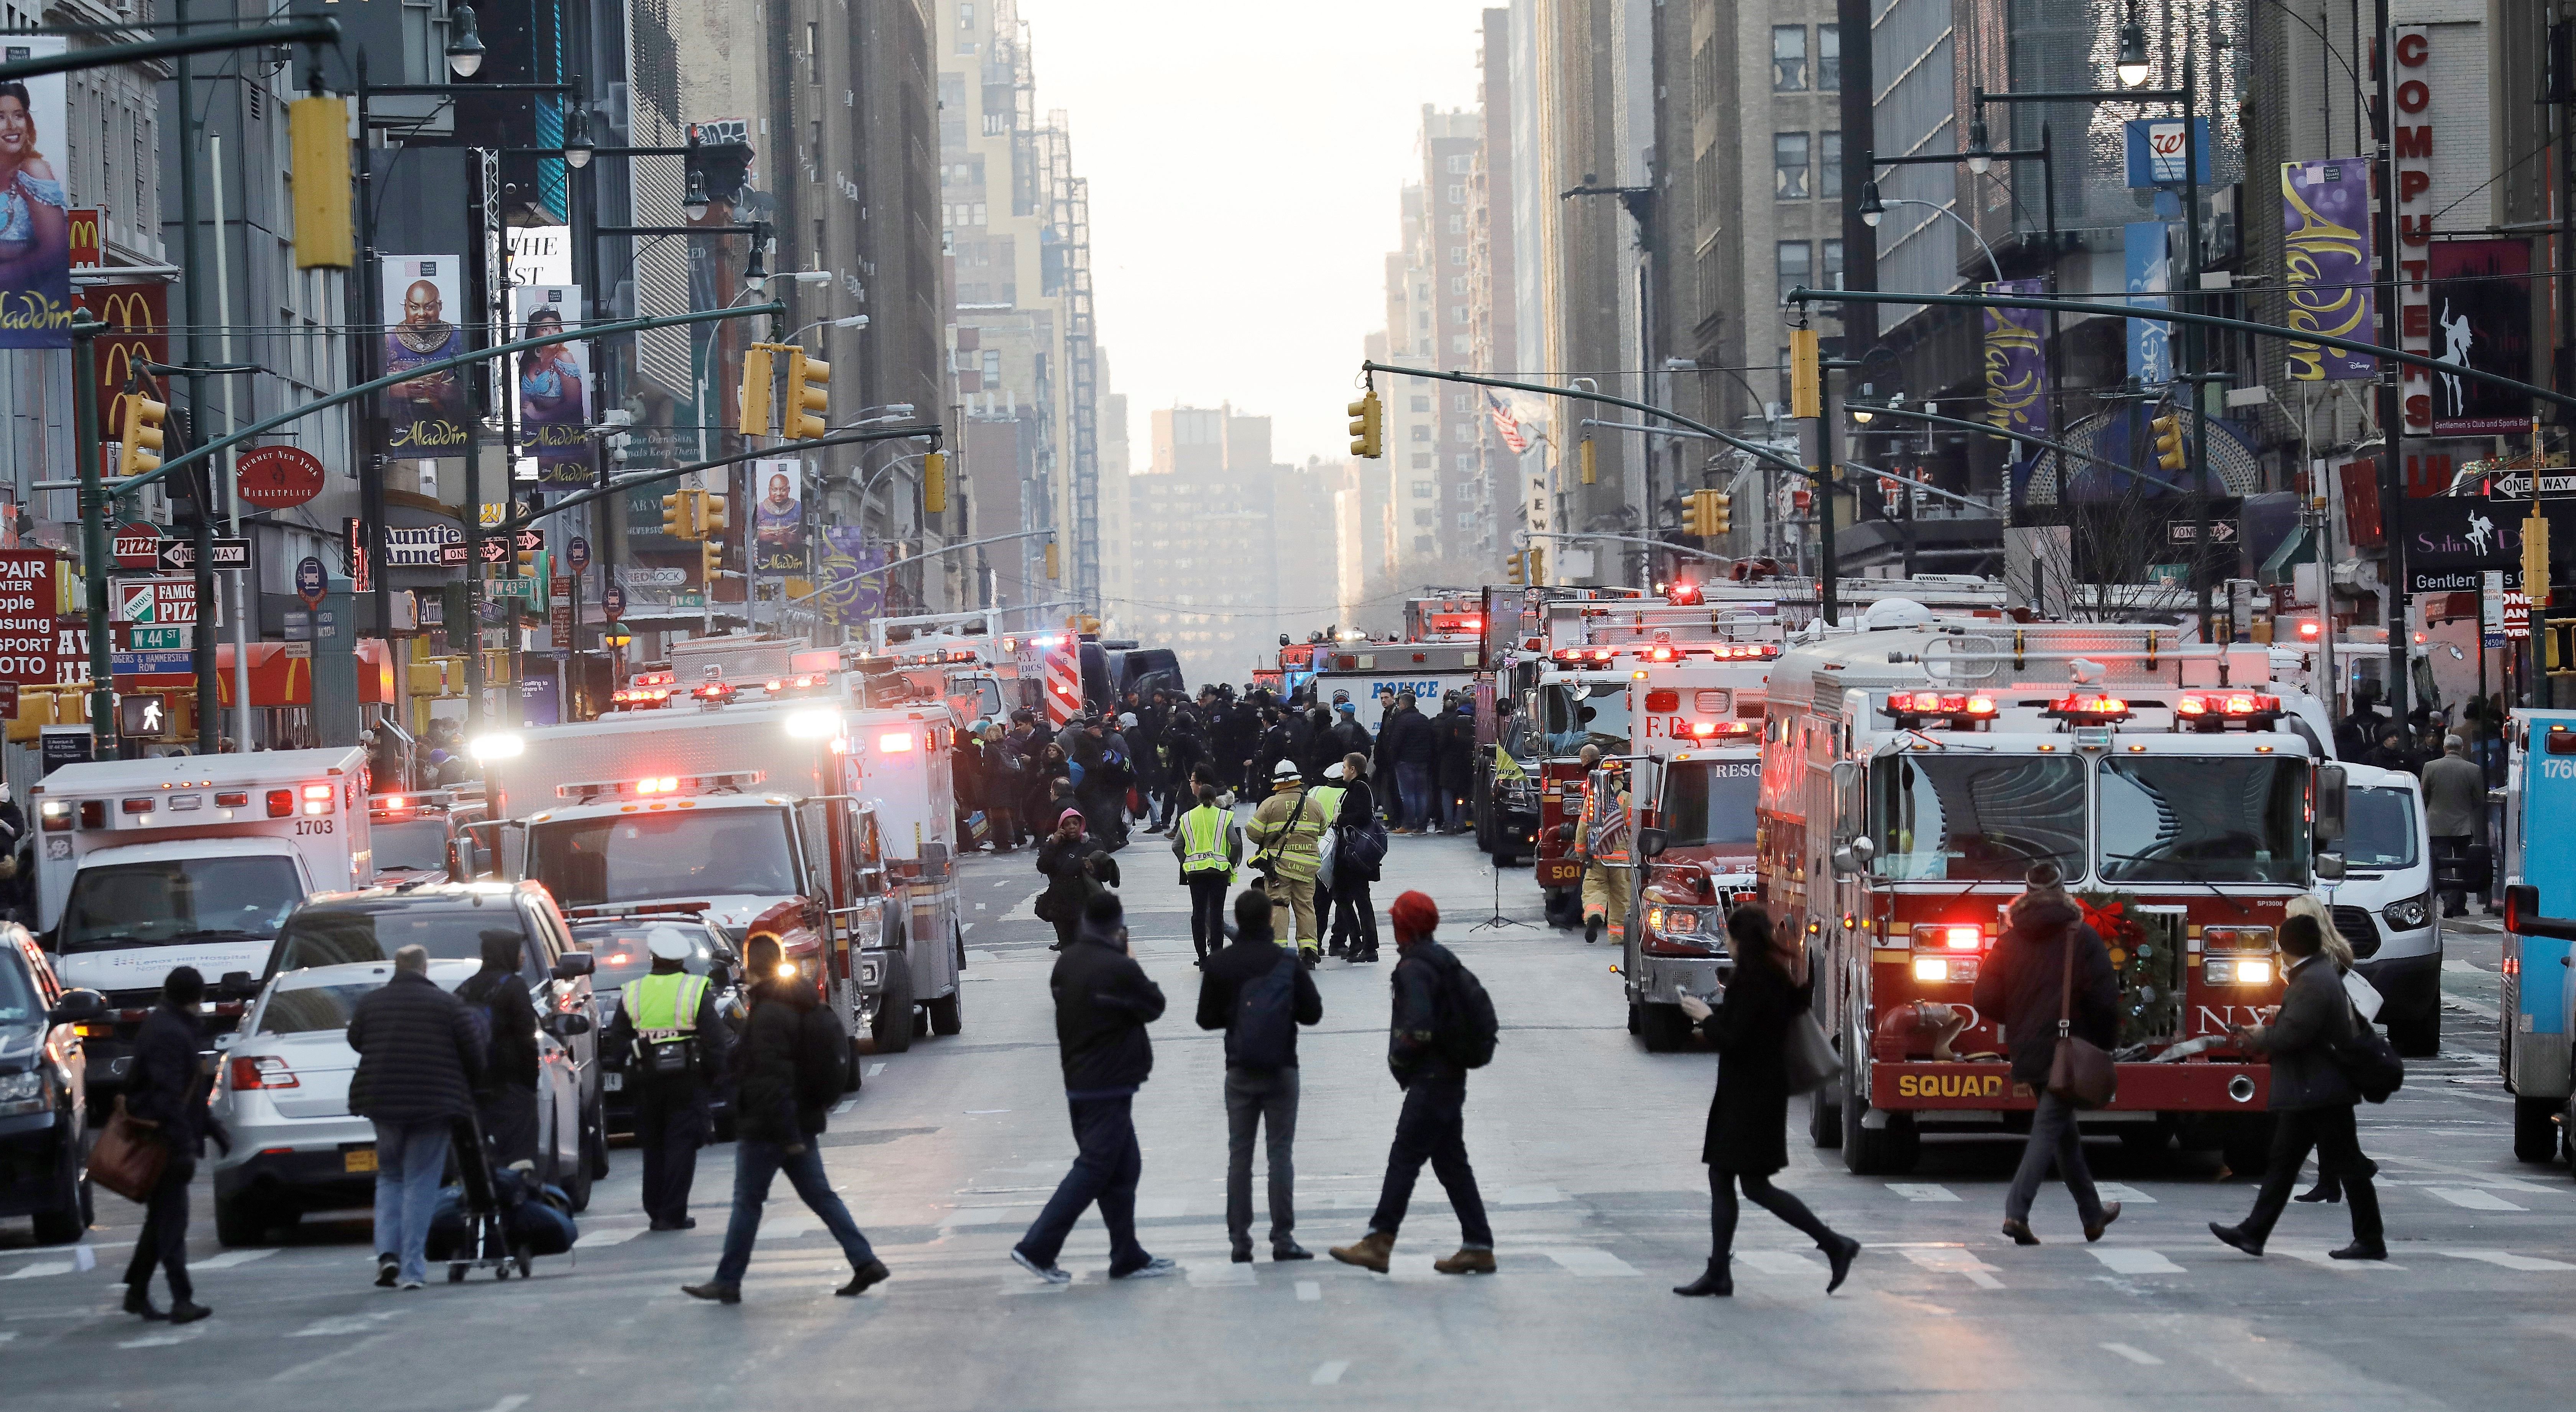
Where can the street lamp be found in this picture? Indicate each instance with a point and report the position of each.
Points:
(1872, 209)
(576, 137)
(465, 51)
(694, 205)
(1981, 157)
(2133, 66)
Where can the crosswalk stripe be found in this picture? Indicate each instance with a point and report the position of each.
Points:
(1310, 1291)
(2474, 1198)
(1327, 1374)
(2508, 1260)
(229, 1259)
(2129, 1260)
(598, 1236)
(1923, 1191)
(2123, 1193)
(1206, 1274)
(1589, 1262)
(2138, 1356)
(1779, 1262)
(1953, 1260)
(2316, 1255)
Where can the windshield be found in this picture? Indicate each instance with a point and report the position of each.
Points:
(17, 989)
(1579, 715)
(623, 949)
(2379, 829)
(1711, 802)
(650, 857)
(1976, 817)
(334, 935)
(411, 846)
(173, 901)
(314, 1009)
(2181, 818)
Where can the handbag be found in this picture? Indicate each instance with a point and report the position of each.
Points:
(1808, 1058)
(2079, 1072)
(129, 1156)
(2369, 1062)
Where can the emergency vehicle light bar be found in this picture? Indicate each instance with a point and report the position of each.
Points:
(1702, 730)
(2213, 710)
(2089, 709)
(1940, 703)
(641, 697)
(660, 784)
(1745, 651)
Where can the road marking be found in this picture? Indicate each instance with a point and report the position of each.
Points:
(1923, 1191)
(842, 1108)
(40, 1269)
(1327, 1374)
(1218, 1274)
(876, 1068)
(2484, 1012)
(229, 1259)
(1953, 1260)
(979, 906)
(2508, 1260)
(2138, 1356)
(2473, 1198)
(1412, 1269)
(344, 1324)
(598, 1236)
(1590, 1263)
(2460, 967)
(512, 1403)
(2129, 1260)
(163, 1339)
(1778, 1262)
(2123, 1193)
(1309, 1291)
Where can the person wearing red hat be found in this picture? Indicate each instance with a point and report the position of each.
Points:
(1432, 1126)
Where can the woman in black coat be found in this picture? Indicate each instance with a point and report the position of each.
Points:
(168, 1094)
(1075, 868)
(1050, 766)
(1746, 1121)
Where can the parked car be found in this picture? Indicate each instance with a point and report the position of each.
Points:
(619, 945)
(44, 1117)
(283, 1090)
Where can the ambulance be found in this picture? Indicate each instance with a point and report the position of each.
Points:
(2539, 1000)
(191, 860)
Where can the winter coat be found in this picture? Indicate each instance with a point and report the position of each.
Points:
(512, 1062)
(1074, 870)
(2022, 978)
(1421, 992)
(2455, 797)
(419, 1058)
(2315, 1016)
(1409, 739)
(169, 1085)
(1750, 1028)
(1359, 810)
(787, 1067)
(1457, 742)
(1103, 1002)
(1222, 979)
(1351, 738)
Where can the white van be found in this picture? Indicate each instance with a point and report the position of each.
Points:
(2385, 905)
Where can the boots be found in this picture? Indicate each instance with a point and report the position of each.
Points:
(138, 1300)
(1717, 1279)
(1369, 1252)
(1591, 930)
(1468, 1261)
(1838, 1261)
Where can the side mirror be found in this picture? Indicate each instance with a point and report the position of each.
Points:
(1849, 800)
(1652, 842)
(2329, 867)
(2330, 803)
(566, 1024)
(575, 964)
(1845, 864)
(238, 985)
(77, 1007)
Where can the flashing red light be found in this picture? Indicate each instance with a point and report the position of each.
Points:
(895, 742)
(2227, 705)
(2308, 632)
(658, 784)
(2098, 708)
(281, 802)
(1601, 654)
(713, 691)
(1661, 654)
(1745, 651)
(1683, 593)
(1939, 703)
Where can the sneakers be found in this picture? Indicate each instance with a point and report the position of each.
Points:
(1468, 1261)
(1369, 1252)
(2110, 1213)
(1153, 1269)
(405, 1285)
(388, 1268)
(862, 1276)
(1048, 1273)
(2019, 1231)
(720, 1294)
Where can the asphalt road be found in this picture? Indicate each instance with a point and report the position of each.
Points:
(1585, 1146)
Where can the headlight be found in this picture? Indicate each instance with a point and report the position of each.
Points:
(867, 929)
(2243, 970)
(2410, 914)
(23, 1092)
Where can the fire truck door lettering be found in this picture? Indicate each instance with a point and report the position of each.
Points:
(2214, 1019)
(1950, 1085)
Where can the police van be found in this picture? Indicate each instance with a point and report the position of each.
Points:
(1375, 673)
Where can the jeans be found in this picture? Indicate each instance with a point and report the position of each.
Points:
(410, 1158)
(754, 1164)
(2053, 1135)
(163, 1241)
(2339, 1156)
(1433, 1126)
(1207, 912)
(1105, 1170)
(1413, 786)
(1266, 1098)
(1354, 920)
(670, 1126)
(1722, 1210)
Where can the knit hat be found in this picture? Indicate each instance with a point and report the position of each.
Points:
(1415, 916)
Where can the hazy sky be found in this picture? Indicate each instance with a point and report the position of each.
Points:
(1245, 163)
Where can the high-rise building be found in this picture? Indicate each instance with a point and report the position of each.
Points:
(1227, 550)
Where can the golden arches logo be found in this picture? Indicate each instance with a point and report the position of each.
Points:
(86, 248)
(130, 310)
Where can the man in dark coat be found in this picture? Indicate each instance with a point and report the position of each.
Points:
(787, 1072)
(506, 1100)
(419, 1061)
(168, 1093)
(1185, 748)
(1260, 1089)
(1414, 749)
(1433, 1124)
(1103, 1002)
(2312, 1100)
(1455, 773)
(2021, 984)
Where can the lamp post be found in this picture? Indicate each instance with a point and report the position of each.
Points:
(1873, 209)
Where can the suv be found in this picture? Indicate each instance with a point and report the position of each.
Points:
(43, 1110)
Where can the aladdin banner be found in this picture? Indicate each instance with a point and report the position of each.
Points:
(35, 214)
(778, 517)
(2325, 236)
(2017, 363)
(846, 597)
(554, 382)
(427, 413)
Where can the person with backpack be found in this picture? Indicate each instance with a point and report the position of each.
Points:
(669, 1038)
(1443, 1026)
(1208, 842)
(787, 1076)
(1359, 851)
(496, 999)
(419, 1060)
(1257, 993)
(2312, 1097)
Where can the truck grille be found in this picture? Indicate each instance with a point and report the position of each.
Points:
(2359, 928)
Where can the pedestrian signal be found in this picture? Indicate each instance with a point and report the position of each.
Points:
(1368, 426)
(2169, 449)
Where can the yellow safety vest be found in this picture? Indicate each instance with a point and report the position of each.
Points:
(1330, 797)
(663, 1006)
(1203, 841)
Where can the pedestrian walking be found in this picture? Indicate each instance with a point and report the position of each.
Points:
(670, 1038)
(1208, 842)
(419, 1062)
(1435, 1023)
(505, 1102)
(2312, 1100)
(1103, 1002)
(1358, 854)
(1075, 869)
(1255, 991)
(1743, 1145)
(2338, 952)
(167, 1094)
(1288, 831)
(2022, 984)
(2455, 809)
(787, 1076)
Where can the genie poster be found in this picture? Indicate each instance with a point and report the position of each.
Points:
(35, 213)
(850, 595)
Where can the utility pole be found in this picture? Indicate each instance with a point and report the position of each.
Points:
(2392, 396)
(191, 282)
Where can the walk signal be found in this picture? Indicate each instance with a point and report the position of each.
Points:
(2169, 449)
(809, 395)
(934, 483)
(756, 376)
(712, 518)
(1368, 427)
(1519, 576)
(1806, 374)
(139, 430)
(680, 514)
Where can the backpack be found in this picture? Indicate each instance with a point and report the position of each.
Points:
(1467, 1028)
(478, 1017)
(1263, 1034)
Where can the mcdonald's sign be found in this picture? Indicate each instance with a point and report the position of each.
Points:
(139, 316)
(89, 246)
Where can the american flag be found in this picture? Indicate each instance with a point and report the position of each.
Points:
(1506, 423)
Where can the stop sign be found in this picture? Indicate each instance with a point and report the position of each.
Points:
(138, 546)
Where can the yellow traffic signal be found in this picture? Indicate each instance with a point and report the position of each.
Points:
(138, 428)
(1691, 503)
(317, 140)
(756, 377)
(710, 559)
(934, 483)
(2169, 449)
(1537, 564)
(1585, 456)
(711, 514)
(809, 395)
(528, 563)
(1518, 574)
(1717, 513)
(1050, 560)
(1806, 374)
(680, 514)
(2535, 558)
(1368, 426)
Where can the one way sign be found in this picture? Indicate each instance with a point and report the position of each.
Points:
(2184, 531)
(181, 554)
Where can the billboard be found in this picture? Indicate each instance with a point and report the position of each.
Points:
(35, 213)
(2017, 363)
(778, 516)
(554, 384)
(2325, 237)
(851, 595)
(2480, 296)
(422, 294)
(2150, 274)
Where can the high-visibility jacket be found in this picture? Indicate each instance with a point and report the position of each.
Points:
(663, 1006)
(1208, 841)
(1328, 798)
(1601, 833)
(1289, 827)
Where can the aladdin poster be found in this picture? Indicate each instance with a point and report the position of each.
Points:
(422, 296)
(554, 384)
(2325, 240)
(2017, 363)
(778, 516)
(2481, 303)
(35, 214)
(851, 593)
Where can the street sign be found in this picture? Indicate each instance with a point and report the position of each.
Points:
(690, 600)
(141, 664)
(531, 540)
(577, 552)
(512, 588)
(451, 555)
(181, 554)
(162, 639)
(2183, 531)
(138, 546)
(560, 592)
(496, 551)
(158, 601)
(311, 626)
(277, 477)
(310, 581)
(613, 603)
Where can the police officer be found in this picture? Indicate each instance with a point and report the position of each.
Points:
(672, 1040)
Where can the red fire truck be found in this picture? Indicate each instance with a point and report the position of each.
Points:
(1912, 773)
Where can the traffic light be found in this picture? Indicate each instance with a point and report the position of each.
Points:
(2535, 558)
(1368, 426)
(1585, 457)
(809, 395)
(2169, 450)
(710, 560)
(1691, 508)
(934, 483)
(680, 514)
(528, 564)
(1519, 575)
(1537, 565)
(1050, 560)
(1717, 514)
(138, 429)
(317, 139)
(1806, 374)
(756, 378)
(711, 515)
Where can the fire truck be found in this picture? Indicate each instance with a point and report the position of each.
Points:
(1914, 770)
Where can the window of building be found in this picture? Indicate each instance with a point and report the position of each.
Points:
(1829, 164)
(1788, 58)
(1463, 433)
(1457, 313)
(1796, 264)
(1457, 223)
(1422, 544)
(813, 51)
(1789, 169)
(1425, 519)
(1425, 490)
(1457, 194)
(1466, 519)
(1829, 59)
(1457, 284)
(1457, 254)
(1422, 460)
(1833, 264)
(1458, 343)
(1421, 431)
(992, 366)
(1422, 404)
(1458, 164)
(966, 16)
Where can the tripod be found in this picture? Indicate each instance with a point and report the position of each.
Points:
(1498, 921)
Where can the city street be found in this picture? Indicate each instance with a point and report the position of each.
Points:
(1585, 1145)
